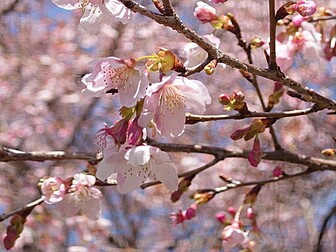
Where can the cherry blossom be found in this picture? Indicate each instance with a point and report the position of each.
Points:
(134, 166)
(196, 55)
(83, 197)
(114, 73)
(53, 190)
(233, 236)
(166, 102)
(97, 11)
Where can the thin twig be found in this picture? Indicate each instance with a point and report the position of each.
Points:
(272, 32)
(29, 206)
(192, 119)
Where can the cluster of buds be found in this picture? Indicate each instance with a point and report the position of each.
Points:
(257, 126)
(233, 234)
(234, 102)
(207, 14)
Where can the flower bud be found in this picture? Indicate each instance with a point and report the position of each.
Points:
(191, 212)
(306, 7)
(224, 99)
(221, 217)
(277, 172)
(232, 211)
(256, 42)
(250, 213)
(205, 13)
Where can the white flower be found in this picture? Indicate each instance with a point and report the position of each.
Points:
(97, 11)
(82, 197)
(136, 165)
(114, 73)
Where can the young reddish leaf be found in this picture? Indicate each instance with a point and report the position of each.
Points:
(256, 154)
(284, 10)
(14, 230)
(182, 187)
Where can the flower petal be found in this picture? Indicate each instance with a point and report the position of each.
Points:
(91, 208)
(68, 4)
(166, 173)
(129, 178)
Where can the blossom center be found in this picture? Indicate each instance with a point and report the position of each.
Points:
(115, 76)
(171, 99)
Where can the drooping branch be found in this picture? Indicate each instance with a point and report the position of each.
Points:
(176, 24)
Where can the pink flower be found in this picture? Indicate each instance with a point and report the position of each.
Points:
(136, 165)
(255, 155)
(305, 7)
(97, 11)
(205, 13)
(166, 102)
(83, 197)
(53, 190)
(114, 73)
(233, 236)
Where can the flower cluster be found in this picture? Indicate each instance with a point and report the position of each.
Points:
(76, 195)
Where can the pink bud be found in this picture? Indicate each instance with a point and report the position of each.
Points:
(250, 213)
(306, 7)
(224, 99)
(256, 154)
(221, 217)
(238, 95)
(232, 211)
(277, 172)
(240, 133)
(205, 13)
(297, 20)
(191, 212)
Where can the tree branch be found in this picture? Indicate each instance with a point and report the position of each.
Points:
(192, 119)
(176, 24)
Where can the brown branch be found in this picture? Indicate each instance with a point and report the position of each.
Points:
(168, 8)
(9, 154)
(9, 8)
(198, 68)
(192, 119)
(27, 207)
(176, 24)
(186, 174)
(315, 163)
(238, 184)
(272, 30)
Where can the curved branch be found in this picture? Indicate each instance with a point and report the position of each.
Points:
(9, 8)
(176, 24)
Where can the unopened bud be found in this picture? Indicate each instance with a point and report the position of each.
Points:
(221, 217)
(224, 99)
(256, 42)
(232, 211)
(250, 213)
